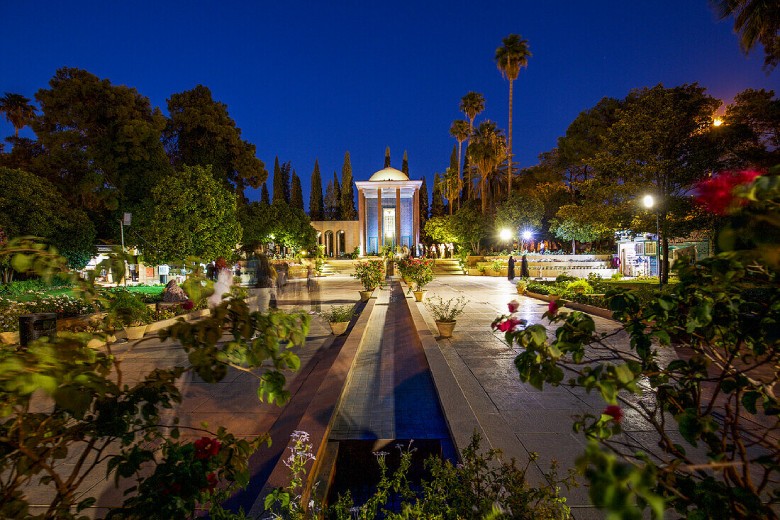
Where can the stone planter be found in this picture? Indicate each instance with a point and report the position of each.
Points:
(338, 327)
(445, 328)
(419, 295)
(9, 338)
(134, 333)
(366, 295)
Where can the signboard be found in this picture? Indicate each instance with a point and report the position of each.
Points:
(127, 218)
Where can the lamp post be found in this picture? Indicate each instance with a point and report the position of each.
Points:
(505, 235)
(649, 202)
(527, 235)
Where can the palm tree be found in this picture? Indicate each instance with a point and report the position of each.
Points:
(756, 21)
(460, 131)
(472, 104)
(486, 150)
(18, 110)
(510, 57)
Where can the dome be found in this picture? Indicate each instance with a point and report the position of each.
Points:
(389, 174)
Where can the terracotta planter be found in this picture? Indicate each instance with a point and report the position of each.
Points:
(134, 333)
(419, 295)
(365, 295)
(445, 328)
(338, 327)
(10, 338)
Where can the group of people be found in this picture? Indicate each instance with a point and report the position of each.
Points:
(441, 250)
(523, 268)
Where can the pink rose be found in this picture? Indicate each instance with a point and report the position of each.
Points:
(552, 307)
(716, 194)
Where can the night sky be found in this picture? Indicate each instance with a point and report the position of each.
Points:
(313, 79)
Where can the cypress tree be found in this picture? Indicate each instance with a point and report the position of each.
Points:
(296, 192)
(348, 211)
(405, 164)
(437, 201)
(454, 168)
(278, 182)
(265, 198)
(336, 197)
(423, 204)
(387, 157)
(329, 199)
(315, 198)
(286, 169)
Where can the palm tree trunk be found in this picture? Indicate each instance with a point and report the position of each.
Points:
(483, 192)
(509, 150)
(460, 176)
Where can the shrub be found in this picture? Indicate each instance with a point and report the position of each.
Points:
(339, 313)
(370, 273)
(420, 272)
(579, 287)
(617, 276)
(446, 310)
(128, 310)
(564, 277)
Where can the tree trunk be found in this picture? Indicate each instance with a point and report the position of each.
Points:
(573, 246)
(483, 193)
(460, 176)
(509, 149)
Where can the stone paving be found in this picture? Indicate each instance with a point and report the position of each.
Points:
(475, 381)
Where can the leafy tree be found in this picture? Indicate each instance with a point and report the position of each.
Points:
(18, 110)
(387, 157)
(486, 150)
(101, 145)
(265, 198)
(437, 199)
(405, 164)
(23, 155)
(348, 211)
(296, 192)
(189, 215)
(510, 58)
(756, 21)
(460, 131)
(316, 207)
(520, 212)
(438, 229)
(289, 226)
(659, 145)
(201, 132)
(568, 226)
(751, 130)
(50, 217)
(470, 225)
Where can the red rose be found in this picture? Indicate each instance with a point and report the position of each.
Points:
(552, 308)
(212, 479)
(513, 306)
(187, 305)
(716, 194)
(615, 412)
(206, 447)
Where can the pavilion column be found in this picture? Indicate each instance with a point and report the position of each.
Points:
(398, 217)
(362, 221)
(379, 224)
(416, 220)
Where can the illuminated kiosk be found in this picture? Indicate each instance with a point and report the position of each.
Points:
(388, 211)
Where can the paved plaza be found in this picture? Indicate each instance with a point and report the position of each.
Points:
(389, 377)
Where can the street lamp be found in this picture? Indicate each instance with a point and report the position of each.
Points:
(649, 202)
(526, 237)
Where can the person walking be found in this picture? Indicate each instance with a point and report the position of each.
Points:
(510, 272)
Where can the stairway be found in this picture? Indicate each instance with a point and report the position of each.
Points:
(442, 266)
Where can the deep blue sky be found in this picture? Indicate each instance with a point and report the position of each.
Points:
(313, 79)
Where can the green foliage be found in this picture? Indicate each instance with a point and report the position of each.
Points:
(520, 212)
(370, 273)
(470, 225)
(439, 230)
(190, 214)
(348, 211)
(420, 271)
(51, 217)
(97, 408)
(579, 286)
(700, 362)
(129, 310)
(316, 203)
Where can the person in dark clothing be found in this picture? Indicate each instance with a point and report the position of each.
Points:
(524, 268)
(510, 272)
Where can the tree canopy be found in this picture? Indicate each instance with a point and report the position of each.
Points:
(191, 214)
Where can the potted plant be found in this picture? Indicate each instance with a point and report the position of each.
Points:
(339, 317)
(130, 312)
(403, 267)
(522, 286)
(420, 273)
(497, 265)
(445, 312)
(370, 275)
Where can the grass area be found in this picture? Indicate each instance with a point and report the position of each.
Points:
(147, 290)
